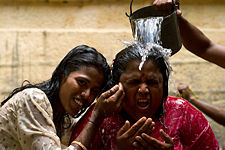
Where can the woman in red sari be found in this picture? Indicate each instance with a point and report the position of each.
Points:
(150, 119)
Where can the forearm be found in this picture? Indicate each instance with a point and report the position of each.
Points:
(88, 133)
(193, 39)
(213, 112)
(196, 42)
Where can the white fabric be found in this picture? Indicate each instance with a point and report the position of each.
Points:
(26, 123)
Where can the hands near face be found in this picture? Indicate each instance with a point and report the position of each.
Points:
(137, 137)
(109, 102)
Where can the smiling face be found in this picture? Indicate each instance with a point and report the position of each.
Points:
(143, 89)
(80, 89)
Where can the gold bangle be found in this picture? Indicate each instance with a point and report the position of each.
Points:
(80, 144)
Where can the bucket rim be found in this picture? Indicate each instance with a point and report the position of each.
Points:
(149, 12)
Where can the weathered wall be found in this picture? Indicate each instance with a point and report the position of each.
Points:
(36, 34)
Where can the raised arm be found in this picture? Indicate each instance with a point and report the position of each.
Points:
(198, 43)
(108, 103)
(213, 112)
(193, 39)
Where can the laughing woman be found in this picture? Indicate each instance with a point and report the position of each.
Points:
(36, 116)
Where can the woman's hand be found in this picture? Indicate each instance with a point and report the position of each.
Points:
(146, 142)
(126, 135)
(108, 103)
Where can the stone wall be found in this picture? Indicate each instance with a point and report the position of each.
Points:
(36, 34)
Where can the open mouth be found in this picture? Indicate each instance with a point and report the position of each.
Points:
(142, 103)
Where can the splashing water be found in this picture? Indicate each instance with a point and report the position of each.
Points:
(147, 29)
(148, 32)
(155, 50)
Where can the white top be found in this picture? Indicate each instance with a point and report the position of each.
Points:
(26, 123)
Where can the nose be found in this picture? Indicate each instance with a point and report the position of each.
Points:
(143, 89)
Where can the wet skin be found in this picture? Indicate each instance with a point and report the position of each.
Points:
(80, 88)
(143, 89)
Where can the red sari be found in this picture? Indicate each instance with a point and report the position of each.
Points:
(186, 125)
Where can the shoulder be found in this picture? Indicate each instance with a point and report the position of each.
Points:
(33, 92)
(176, 102)
(181, 106)
(189, 113)
(33, 98)
(35, 95)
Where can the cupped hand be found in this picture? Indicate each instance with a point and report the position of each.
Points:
(126, 135)
(146, 142)
(109, 102)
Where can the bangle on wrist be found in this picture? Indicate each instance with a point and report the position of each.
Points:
(194, 94)
(80, 144)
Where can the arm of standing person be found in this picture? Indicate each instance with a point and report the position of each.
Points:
(193, 39)
(214, 112)
(108, 103)
(198, 43)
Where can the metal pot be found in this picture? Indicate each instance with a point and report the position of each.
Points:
(169, 35)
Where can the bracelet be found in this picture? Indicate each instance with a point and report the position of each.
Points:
(93, 123)
(80, 144)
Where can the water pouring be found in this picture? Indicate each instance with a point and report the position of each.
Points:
(151, 25)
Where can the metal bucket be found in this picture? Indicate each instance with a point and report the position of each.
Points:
(170, 34)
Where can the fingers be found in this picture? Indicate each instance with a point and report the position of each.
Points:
(108, 93)
(140, 142)
(179, 13)
(116, 92)
(166, 6)
(155, 2)
(185, 91)
(124, 128)
(134, 128)
(182, 86)
(150, 140)
(165, 137)
(111, 91)
(119, 95)
(147, 127)
(163, 4)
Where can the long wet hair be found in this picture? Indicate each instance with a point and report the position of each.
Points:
(77, 58)
(133, 52)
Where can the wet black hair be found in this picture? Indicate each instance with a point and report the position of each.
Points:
(133, 52)
(77, 58)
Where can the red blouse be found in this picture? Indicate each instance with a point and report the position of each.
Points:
(185, 124)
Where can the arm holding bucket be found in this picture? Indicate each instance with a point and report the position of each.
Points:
(193, 39)
(198, 43)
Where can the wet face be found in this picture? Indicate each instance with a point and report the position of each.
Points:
(80, 88)
(143, 89)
